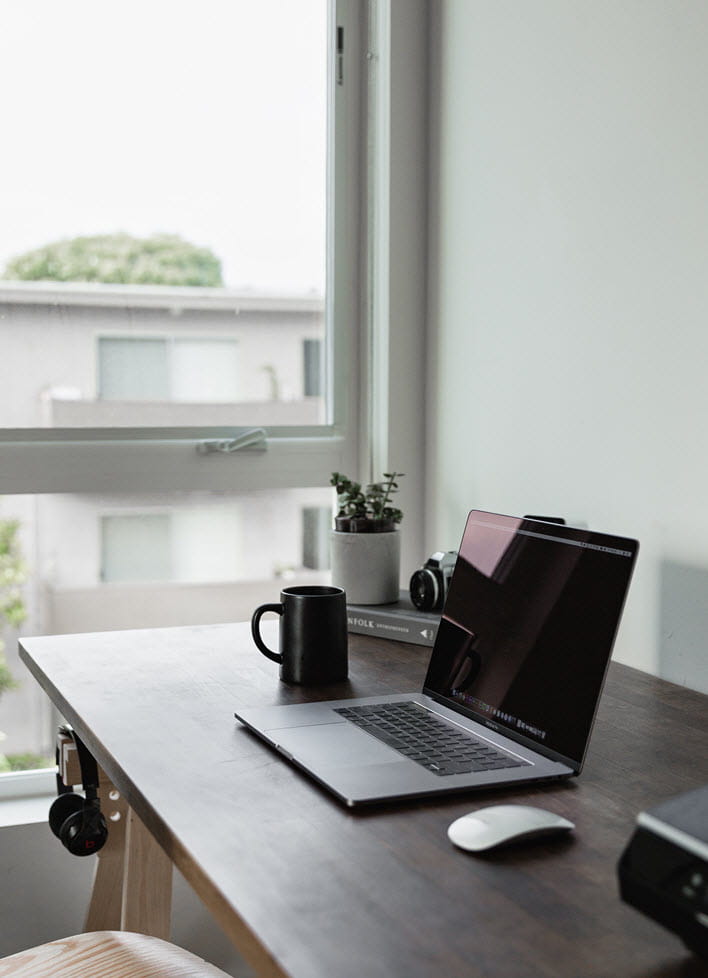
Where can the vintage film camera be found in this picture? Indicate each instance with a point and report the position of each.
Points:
(428, 585)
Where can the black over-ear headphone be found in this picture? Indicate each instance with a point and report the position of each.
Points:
(77, 821)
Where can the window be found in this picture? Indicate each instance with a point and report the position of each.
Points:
(136, 548)
(253, 159)
(170, 369)
(133, 370)
(122, 399)
(241, 157)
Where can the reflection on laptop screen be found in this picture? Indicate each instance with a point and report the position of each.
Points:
(528, 627)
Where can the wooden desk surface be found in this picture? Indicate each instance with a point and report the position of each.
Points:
(310, 888)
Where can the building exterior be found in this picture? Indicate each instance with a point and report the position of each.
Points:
(75, 356)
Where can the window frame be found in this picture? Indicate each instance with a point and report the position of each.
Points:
(43, 460)
(389, 66)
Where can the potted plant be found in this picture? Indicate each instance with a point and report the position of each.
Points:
(366, 550)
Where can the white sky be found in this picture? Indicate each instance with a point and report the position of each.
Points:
(202, 119)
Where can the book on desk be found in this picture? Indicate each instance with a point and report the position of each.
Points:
(400, 621)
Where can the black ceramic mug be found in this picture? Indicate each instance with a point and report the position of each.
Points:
(313, 634)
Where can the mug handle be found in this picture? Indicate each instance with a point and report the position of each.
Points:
(255, 622)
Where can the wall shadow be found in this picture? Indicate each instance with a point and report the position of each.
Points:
(683, 624)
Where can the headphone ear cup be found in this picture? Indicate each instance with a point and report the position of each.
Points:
(62, 807)
(84, 832)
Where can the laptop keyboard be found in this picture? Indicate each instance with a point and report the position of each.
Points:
(415, 732)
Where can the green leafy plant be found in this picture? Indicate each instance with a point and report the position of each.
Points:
(162, 259)
(24, 762)
(369, 509)
(12, 607)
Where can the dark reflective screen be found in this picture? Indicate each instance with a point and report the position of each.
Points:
(528, 627)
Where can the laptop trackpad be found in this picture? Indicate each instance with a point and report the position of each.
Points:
(338, 744)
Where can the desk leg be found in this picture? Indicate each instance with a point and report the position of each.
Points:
(147, 883)
(132, 888)
(105, 908)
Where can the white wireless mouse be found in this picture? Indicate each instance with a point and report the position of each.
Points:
(501, 824)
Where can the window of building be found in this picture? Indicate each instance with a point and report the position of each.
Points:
(136, 548)
(201, 371)
(133, 370)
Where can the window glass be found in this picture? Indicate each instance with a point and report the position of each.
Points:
(168, 219)
(187, 370)
(136, 548)
(181, 224)
(133, 370)
(85, 562)
(204, 370)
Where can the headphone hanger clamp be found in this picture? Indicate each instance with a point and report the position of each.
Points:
(76, 819)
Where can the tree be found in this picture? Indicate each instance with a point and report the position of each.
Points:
(163, 259)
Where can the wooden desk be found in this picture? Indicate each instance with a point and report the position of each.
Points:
(308, 888)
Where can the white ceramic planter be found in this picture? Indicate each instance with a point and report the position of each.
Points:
(367, 566)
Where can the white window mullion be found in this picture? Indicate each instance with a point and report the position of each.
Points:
(143, 466)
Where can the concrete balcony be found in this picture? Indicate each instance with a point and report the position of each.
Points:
(113, 607)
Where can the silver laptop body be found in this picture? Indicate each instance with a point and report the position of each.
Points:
(518, 663)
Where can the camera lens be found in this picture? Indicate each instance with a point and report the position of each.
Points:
(424, 589)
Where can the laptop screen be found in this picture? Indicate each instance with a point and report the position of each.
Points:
(528, 627)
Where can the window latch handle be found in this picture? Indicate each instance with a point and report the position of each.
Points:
(251, 440)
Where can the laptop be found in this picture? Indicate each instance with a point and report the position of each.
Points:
(512, 685)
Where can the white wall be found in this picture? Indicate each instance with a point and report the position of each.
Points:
(568, 294)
